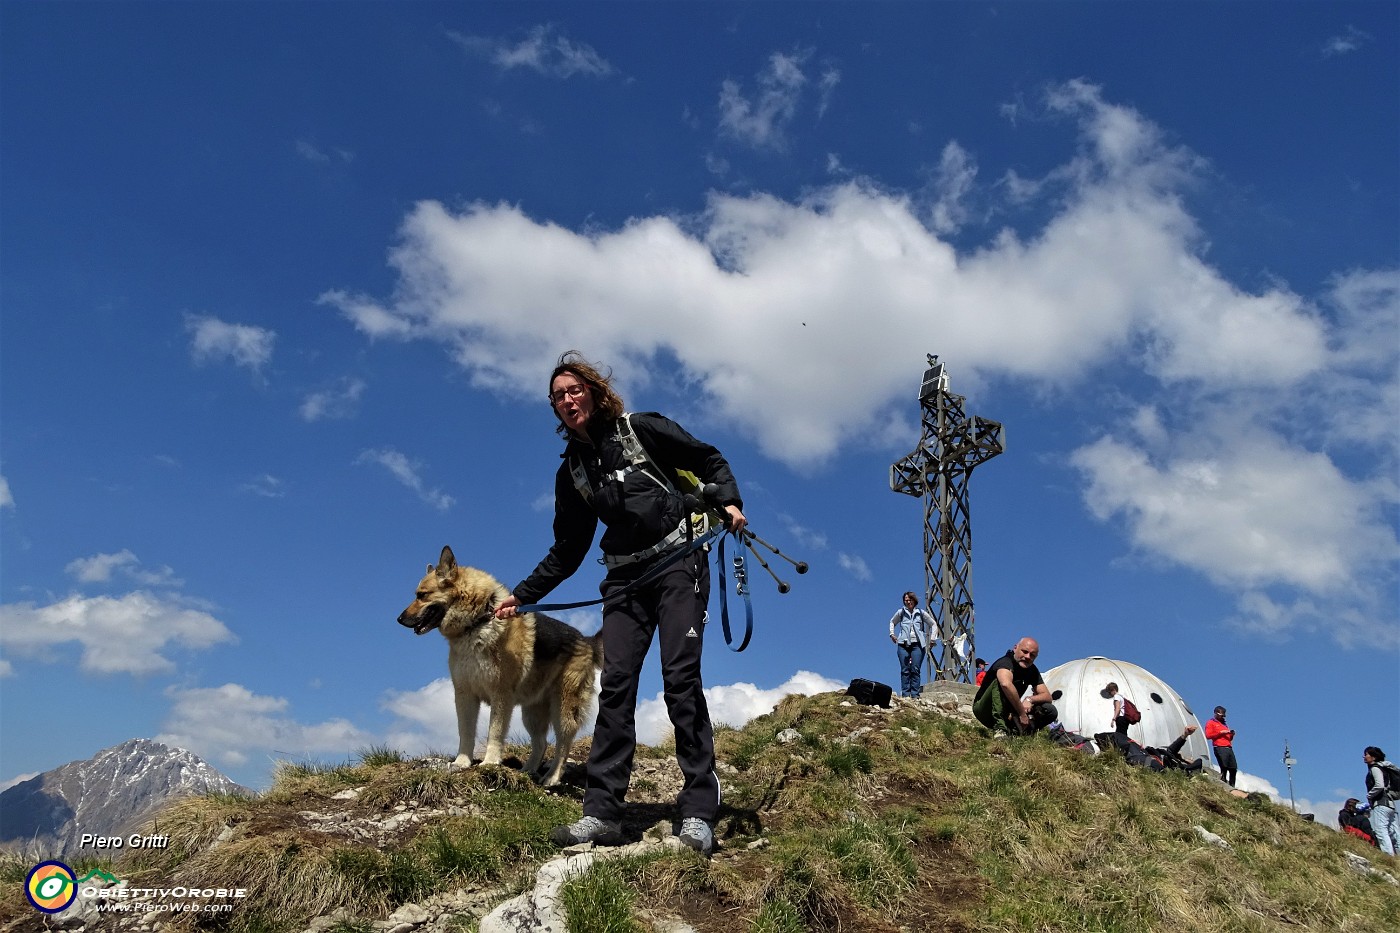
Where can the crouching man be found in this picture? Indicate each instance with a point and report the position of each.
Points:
(999, 704)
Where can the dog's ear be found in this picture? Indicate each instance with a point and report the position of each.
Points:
(447, 562)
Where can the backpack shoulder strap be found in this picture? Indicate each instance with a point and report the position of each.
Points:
(636, 453)
(632, 451)
(632, 447)
(580, 477)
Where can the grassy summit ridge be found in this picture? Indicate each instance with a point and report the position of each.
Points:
(837, 817)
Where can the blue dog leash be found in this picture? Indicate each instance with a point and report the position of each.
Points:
(647, 577)
(740, 579)
(741, 587)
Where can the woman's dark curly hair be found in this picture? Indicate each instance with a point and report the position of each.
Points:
(607, 404)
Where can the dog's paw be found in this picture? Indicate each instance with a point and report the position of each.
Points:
(462, 761)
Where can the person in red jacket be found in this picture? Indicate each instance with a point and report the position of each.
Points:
(1222, 740)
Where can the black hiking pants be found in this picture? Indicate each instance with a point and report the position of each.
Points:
(1225, 757)
(673, 604)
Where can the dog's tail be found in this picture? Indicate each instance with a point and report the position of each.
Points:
(596, 641)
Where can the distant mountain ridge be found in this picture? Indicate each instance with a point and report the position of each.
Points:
(106, 795)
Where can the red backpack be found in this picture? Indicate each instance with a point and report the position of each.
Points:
(1130, 712)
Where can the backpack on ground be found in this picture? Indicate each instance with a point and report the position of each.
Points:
(1130, 712)
(870, 692)
(1067, 739)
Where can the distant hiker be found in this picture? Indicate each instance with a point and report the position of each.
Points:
(1382, 790)
(1354, 821)
(909, 628)
(1222, 740)
(981, 671)
(999, 703)
(1133, 753)
(1124, 712)
(1171, 754)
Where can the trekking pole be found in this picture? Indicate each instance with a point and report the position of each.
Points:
(801, 565)
(782, 586)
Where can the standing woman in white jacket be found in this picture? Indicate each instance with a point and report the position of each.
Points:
(909, 628)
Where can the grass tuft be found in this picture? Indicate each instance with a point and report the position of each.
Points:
(376, 756)
(600, 901)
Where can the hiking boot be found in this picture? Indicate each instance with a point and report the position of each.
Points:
(697, 834)
(589, 829)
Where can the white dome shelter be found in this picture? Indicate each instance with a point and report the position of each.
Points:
(1084, 707)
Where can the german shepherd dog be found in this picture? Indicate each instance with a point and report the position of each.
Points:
(531, 660)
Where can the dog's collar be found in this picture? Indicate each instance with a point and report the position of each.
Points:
(482, 619)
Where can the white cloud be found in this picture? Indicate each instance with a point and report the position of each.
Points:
(406, 472)
(427, 717)
(118, 635)
(100, 568)
(267, 486)
(855, 566)
(826, 86)
(427, 720)
(791, 317)
(242, 344)
(7, 501)
(1252, 783)
(806, 537)
(370, 318)
(545, 50)
(588, 620)
(1323, 811)
(339, 401)
(18, 779)
(762, 121)
(229, 723)
(1349, 40)
(732, 705)
(6, 668)
(315, 154)
(1254, 512)
(957, 171)
(716, 165)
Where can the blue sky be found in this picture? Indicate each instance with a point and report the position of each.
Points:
(281, 286)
